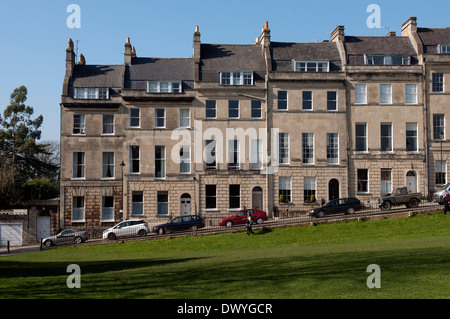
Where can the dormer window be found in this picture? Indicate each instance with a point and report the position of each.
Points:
(164, 87)
(92, 93)
(312, 66)
(444, 49)
(236, 78)
(380, 59)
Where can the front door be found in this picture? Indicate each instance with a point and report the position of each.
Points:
(43, 227)
(411, 182)
(185, 205)
(333, 189)
(257, 198)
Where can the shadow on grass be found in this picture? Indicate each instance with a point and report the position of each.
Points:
(47, 269)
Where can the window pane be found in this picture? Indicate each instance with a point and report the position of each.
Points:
(135, 159)
(360, 93)
(363, 180)
(361, 137)
(108, 165)
(135, 117)
(234, 196)
(233, 109)
(210, 197)
(284, 188)
(160, 162)
(283, 148)
(162, 203)
(307, 100)
(256, 109)
(332, 148)
(386, 137)
(309, 189)
(210, 109)
(411, 93)
(386, 93)
(308, 148)
(79, 124)
(438, 126)
(108, 124)
(137, 203)
(411, 137)
(332, 101)
(210, 154)
(282, 100)
(185, 118)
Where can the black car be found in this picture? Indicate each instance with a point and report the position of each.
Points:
(337, 206)
(181, 223)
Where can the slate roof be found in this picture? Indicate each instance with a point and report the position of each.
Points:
(283, 53)
(97, 76)
(432, 37)
(159, 69)
(232, 57)
(357, 46)
(382, 45)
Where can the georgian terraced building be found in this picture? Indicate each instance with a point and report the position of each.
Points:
(269, 125)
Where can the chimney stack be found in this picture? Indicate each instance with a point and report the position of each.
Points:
(264, 39)
(70, 58)
(128, 52)
(409, 27)
(338, 34)
(196, 56)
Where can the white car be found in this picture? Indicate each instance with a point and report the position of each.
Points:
(438, 197)
(132, 227)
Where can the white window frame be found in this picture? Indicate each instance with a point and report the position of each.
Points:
(236, 78)
(132, 159)
(185, 120)
(141, 204)
(415, 137)
(282, 100)
(256, 105)
(162, 208)
(111, 166)
(410, 93)
(359, 136)
(284, 184)
(387, 59)
(361, 95)
(213, 196)
(386, 94)
(76, 164)
(157, 118)
(309, 65)
(333, 148)
(164, 87)
(256, 156)
(310, 186)
(234, 162)
(135, 117)
(90, 93)
(162, 161)
(234, 109)
(284, 147)
(80, 210)
(107, 210)
(229, 197)
(389, 138)
(185, 159)
(210, 102)
(108, 125)
(304, 100)
(309, 138)
(443, 48)
(334, 101)
(386, 184)
(79, 126)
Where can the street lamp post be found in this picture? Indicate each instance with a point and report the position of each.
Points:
(122, 165)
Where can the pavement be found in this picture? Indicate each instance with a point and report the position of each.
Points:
(13, 250)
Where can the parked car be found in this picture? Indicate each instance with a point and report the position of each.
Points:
(67, 236)
(241, 217)
(337, 206)
(181, 223)
(438, 197)
(132, 227)
(400, 197)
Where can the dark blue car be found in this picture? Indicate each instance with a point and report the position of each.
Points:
(181, 223)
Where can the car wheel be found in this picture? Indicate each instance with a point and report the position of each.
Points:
(320, 214)
(229, 224)
(161, 231)
(111, 236)
(48, 243)
(350, 211)
(413, 203)
(194, 228)
(259, 221)
(142, 233)
(386, 205)
(78, 240)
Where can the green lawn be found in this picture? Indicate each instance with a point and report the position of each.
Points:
(325, 261)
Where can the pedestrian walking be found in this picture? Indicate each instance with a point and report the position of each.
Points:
(249, 224)
(446, 202)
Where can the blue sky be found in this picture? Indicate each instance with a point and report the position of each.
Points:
(33, 33)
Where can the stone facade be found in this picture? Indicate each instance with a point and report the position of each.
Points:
(294, 125)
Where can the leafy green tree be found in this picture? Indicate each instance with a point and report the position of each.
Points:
(20, 154)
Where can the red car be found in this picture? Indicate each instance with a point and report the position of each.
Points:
(241, 217)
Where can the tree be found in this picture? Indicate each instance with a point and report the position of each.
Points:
(20, 154)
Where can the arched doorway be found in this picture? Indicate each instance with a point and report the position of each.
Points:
(185, 205)
(333, 189)
(257, 198)
(411, 181)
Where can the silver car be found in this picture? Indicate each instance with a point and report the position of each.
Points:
(68, 236)
(133, 227)
(438, 197)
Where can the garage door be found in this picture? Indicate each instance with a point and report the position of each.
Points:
(11, 232)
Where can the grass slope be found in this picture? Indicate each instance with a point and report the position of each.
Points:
(326, 261)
